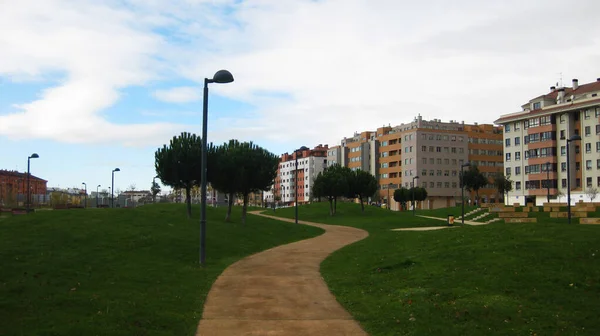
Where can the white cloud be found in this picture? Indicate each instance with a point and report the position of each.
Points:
(183, 94)
(337, 66)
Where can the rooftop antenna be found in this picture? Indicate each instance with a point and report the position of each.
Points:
(561, 81)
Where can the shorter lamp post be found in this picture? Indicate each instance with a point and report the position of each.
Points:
(98, 186)
(413, 192)
(85, 191)
(33, 156)
(575, 137)
(462, 187)
(303, 148)
(548, 182)
(112, 190)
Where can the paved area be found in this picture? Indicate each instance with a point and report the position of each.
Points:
(280, 291)
(428, 228)
(456, 221)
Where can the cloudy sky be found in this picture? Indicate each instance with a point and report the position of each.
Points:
(94, 85)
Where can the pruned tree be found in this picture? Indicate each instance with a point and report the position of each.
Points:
(592, 193)
(362, 184)
(223, 162)
(420, 194)
(503, 184)
(402, 196)
(178, 164)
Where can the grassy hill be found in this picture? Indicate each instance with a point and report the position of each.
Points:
(497, 279)
(120, 271)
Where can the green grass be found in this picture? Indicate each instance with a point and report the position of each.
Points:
(121, 271)
(497, 279)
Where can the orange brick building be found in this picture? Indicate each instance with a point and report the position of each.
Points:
(13, 186)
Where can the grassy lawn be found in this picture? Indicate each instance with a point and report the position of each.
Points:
(497, 279)
(121, 271)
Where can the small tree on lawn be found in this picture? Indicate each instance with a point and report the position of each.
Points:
(474, 180)
(362, 185)
(225, 177)
(503, 184)
(402, 196)
(592, 193)
(332, 183)
(420, 194)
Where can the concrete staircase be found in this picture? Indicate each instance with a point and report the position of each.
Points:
(472, 212)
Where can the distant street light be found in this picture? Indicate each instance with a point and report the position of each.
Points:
(112, 190)
(98, 186)
(33, 156)
(85, 191)
(462, 187)
(413, 192)
(221, 77)
(575, 137)
(303, 148)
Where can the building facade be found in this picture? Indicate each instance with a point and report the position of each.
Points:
(535, 145)
(310, 163)
(427, 153)
(13, 186)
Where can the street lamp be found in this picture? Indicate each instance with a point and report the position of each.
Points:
(413, 192)
(548, 182)
(33, 156)
(85, 190)
(462, 187)
(303, 148)
(221, 77)
(575, 137)
(98, 186)
(388, 198)
(112, 189)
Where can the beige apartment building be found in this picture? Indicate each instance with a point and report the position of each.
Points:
(535, 145)
(428, 153)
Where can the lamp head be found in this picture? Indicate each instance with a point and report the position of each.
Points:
(35, 155)
(116, 169)
(222, 77)
(416, 177)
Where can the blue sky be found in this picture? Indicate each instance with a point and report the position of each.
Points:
(94, 85)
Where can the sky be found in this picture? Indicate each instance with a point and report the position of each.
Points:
(95, 85)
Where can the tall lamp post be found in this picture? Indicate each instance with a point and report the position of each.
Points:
(85, 191)
(98, 186)
(32, 156)
(112, 189)
(575, 137)
(221, 77)
(462, 188)
(388, 198)
(413, 193)
(548, 182)
(303, 148)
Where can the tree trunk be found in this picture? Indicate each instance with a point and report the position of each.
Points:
(362, 205)
(330, 206)
(188, 201)
(244, 208)
(229, 206)
(334, 205)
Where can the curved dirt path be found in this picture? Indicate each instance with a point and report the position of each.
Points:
(280, 291)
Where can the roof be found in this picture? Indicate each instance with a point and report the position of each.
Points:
(16, 174)
(550, 110)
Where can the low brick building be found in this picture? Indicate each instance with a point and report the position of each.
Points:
(13, 186)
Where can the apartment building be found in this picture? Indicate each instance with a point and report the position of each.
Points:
(310, 163)
(428, 153)
(535, 145)
(13, 186)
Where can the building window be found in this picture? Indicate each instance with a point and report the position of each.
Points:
(446, 184)
(518, 185)
(446, 161)
(517, 156)
(446, 173)
(577, 183)
(423, 148)
(537, 105)
(598, 164)
(517, 141)
(588, 164)
(439, 161)
(563, 118)
(588, 148)
(507, 128)
(507, 171)
(563, 150)
(431, 185)
(586, 115)
(424, 172)
(431, 172)
(577, 166)
(507, 142)
(587, 130)
(439, 184)
(563, 183)
(439, 173)
(562, 134)
(507, 157)
(517, 170)
(424, 160)
(577, 149)
(461, 150)
(563, 166)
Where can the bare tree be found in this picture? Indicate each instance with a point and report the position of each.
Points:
(592, 192)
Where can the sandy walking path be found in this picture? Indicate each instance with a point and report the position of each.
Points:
(280, 291)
